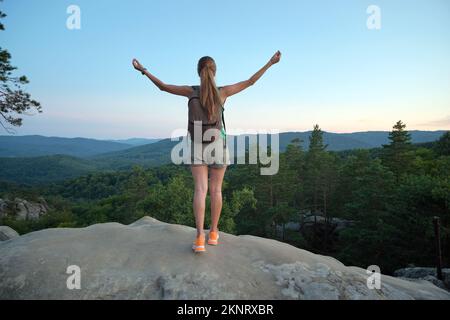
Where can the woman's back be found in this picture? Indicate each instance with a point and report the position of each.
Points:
(200, 121)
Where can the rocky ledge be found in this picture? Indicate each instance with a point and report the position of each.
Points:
(150, 259)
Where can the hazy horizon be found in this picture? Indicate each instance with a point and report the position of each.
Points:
(161, 138)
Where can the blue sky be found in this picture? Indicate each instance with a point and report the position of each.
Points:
(334, 70)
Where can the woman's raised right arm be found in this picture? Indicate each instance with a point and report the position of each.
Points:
(185, 91)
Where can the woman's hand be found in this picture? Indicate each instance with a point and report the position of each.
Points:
(276, 57)
(138, 66)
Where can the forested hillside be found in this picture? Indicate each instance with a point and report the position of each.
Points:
(390, 194)
(62, 158)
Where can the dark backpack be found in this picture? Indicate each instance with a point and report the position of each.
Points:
(199, 113)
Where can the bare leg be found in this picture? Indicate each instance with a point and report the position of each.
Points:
(215, 193)
(200, 175)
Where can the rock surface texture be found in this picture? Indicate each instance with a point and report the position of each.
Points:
(7, 233)
(150, 259)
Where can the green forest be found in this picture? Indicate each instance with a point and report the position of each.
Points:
(390, 194)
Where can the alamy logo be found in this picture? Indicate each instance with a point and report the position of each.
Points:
(374, 278)
(188, 152)
(73, 22)
(374, 20)
(74, 280)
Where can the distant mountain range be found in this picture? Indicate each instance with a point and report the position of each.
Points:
(36, 145)
(355, 140)
(136, 141)
(38, 159)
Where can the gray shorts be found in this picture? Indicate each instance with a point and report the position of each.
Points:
(214, 155)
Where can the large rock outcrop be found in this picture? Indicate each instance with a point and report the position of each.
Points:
(313, 223)
(21, 209)
(423, 273)
(150, 259)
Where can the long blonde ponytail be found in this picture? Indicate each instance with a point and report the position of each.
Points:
(209, 94)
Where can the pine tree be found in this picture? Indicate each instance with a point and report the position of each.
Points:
(442, 146)
(397, 154)
(295, 164)
(314, 164)
(316, 141)
(319, 183)
(13, 100)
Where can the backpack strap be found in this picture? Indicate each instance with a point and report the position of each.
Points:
(223, 120)
(224, 127)
(195, 94)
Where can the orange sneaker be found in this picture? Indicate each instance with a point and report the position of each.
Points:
(199, 244)
(213, 238)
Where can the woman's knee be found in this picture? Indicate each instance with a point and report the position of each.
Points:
(215, 191)
(201, 190)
